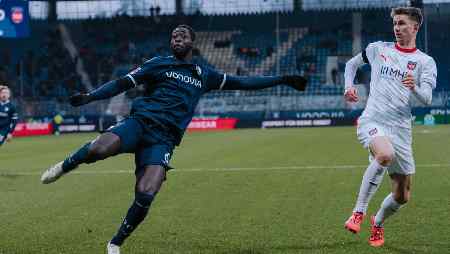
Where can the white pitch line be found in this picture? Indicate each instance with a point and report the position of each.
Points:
(298, 167)
(105, 172)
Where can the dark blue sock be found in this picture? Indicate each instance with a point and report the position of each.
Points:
(135, 215)
(71, 162)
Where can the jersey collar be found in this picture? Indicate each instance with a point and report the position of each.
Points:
(180, 61)
(405, 50)
(4, 103)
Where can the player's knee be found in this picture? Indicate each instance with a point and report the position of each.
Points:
(98, 151)
(144, 199)
(147, 188)
(385, 158)
(151, 180)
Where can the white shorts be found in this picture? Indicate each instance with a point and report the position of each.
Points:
(401, 140)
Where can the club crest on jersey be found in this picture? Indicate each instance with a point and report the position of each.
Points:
(199, 70)
(411, 65)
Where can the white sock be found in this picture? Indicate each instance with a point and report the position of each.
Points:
(388, 208)
(371, 181)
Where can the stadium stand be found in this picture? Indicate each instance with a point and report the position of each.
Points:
(77, 55)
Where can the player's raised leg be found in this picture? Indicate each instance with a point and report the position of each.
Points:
(104, 146)
(383, 154)
(401, 192)
(148, 183)
(123, 137)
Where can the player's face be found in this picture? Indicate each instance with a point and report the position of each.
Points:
(181, 42)
(4, 95)
(405, 29)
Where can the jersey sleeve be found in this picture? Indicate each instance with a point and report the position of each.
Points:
(370, 52)
(143, 73)
(429, 73)
(215, 80)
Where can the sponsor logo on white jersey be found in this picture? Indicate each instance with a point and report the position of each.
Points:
(391, 73)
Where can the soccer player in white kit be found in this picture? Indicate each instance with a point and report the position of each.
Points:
(399, 72)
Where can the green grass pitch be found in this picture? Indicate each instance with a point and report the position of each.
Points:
(238, 192)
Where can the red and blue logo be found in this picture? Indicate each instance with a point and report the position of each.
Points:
(411, 65)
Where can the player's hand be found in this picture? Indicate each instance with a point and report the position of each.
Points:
(409, 82)
(9, 137)
(351, 95)
(79, 99)
(295, 81)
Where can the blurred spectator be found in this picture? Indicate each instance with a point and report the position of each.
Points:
(57, 121)
(249, 51)
(239, 71)
(334, 76)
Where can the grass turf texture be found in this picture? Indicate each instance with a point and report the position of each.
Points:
(244, 191)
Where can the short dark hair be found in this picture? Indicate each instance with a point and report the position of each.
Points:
(412, 12)
(189, 28)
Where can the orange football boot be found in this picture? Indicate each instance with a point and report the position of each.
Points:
(376, 234)
(353, 224)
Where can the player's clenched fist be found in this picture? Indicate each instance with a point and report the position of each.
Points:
(295, 81)
(351, 95)
(409, 81)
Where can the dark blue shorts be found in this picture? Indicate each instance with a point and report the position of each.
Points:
(3, 134)
(147, 144)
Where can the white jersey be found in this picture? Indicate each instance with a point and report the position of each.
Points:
(389, 100)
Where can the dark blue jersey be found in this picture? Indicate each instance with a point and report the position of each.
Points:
(8, 116)
(172, 89)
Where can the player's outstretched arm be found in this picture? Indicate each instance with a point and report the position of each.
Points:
(254, 83)
(351, 67)
(107, 90)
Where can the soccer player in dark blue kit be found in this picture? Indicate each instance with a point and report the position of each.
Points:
(8, 115)
(157, 121)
